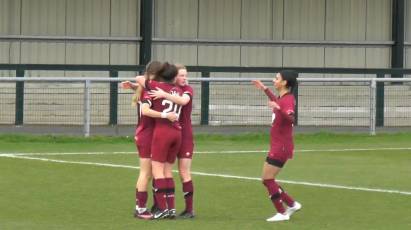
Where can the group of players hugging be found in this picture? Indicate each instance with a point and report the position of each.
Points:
(164, 134)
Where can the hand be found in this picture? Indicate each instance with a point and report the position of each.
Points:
(157, 93)
(259, 85)
(273, 105)
(128, 85)
(172, 116)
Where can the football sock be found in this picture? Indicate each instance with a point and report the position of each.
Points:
(154, 193)
(274, 192)
(188, 191)
(286, 198)
(160, 188)
(170, 193)
(141, 199)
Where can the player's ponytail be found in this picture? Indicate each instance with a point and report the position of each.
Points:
(291, 77)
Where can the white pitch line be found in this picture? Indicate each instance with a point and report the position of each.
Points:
(218, 175)
(208, 152)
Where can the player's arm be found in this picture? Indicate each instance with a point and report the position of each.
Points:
(147, 111)
(128, 85)
(259, 85)
(159, 93)
(141, 80)
(288, 113)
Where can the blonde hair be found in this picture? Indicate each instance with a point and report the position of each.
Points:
(180, 66)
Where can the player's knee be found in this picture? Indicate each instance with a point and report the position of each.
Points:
(184, 173)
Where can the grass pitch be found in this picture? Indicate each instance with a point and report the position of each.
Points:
(342, 181)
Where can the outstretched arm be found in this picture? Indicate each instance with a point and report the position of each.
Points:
(159, 93)
(128, 85)
(259, 85)
(141, 80)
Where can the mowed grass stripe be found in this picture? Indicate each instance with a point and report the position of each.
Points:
(220, 175)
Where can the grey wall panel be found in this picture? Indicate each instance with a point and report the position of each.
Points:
(345, 57)
(10, 52)
(278, 20)
(407, 57)
(9, 17)
(125, 18)
(124, 54)
(220, 19)
(379, 20)
(175, 18)
(43, 17)
(303, 56)
(91, 53)
(88, 17)
(87, 53)
(407, 22)
(184, 54)
(43, 53)
(304, 20)
(378, 57)
(346, 20)
(220, 56)
(257, 19)
(261, 56)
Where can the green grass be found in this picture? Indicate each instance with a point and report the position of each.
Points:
(48, 195)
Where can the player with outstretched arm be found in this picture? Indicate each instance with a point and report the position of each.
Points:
(281, 142)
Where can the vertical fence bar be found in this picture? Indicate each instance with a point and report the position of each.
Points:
(86, 108)
(19, 114)
(205, 99)
(380, 102)
(295, 92)
(113, 99)
(373, 105)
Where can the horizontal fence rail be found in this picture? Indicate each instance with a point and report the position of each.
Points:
(321, 102)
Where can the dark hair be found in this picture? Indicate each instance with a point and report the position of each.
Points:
(291, 77)
(152, 68)
(167, 72)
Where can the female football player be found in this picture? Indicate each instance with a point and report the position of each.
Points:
(143, 136)
(166, 139)
(281, 143)
(185, 154)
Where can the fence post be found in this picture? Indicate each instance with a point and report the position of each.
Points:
(86, 108)
(296, 105)
(373, 105)
(380, 102)
(205, 98)
(19, 113)
(113, 98)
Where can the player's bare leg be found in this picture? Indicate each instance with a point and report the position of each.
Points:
(184, 169)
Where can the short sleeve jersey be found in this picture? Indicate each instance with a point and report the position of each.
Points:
(185, 116)
(163, 105)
